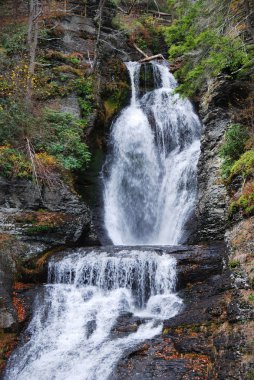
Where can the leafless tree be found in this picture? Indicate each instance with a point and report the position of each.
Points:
(35, 11)
(99, 18)
(249, 10)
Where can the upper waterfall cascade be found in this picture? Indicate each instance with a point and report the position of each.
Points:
(150, 191)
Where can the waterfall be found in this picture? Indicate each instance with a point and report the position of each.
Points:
(150, 191)
(87, 291)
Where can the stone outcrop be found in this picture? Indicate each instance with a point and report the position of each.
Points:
(54, 216)
(218, 107)
(205, 340)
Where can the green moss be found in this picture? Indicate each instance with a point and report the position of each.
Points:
(40, 229)
(233, 264)
(50, 90)
(79, 72)
(244, 166)
(251, 297)
(250, 375)
(75, 61)
(233, 208)
(115, 95)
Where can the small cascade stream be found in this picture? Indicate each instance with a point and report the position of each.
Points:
(149, 196)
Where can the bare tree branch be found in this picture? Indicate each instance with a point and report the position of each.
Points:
(100, 9)
(140, 51)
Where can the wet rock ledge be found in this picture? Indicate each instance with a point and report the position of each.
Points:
(204, 341)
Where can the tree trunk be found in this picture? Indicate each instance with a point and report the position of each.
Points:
(32, 40)
(100, 10)
(249, 15)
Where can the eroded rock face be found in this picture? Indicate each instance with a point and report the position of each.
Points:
(219, 106)
(204, 341)
(212, 195)
(32, 222)
(8, 248)
(56, 216)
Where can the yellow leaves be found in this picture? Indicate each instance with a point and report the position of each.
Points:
(46, 159)
(15, 81)
(3, 147)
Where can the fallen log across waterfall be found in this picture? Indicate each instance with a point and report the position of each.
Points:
(151, 58)
(146, 57)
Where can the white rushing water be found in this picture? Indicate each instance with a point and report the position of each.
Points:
(70, 331)
(150, 191)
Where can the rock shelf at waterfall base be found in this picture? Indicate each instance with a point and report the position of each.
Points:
(95, 310)
(74, 314)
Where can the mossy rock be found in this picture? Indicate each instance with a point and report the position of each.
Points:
(117, 98)
(244, 166)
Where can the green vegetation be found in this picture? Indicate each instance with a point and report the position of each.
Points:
(197, 38)
(250, 375)
(56, 139)
(13, 39)
(235, 139)
(40, 229)
(251, 297)
(244, 166)
(237, 162)
(245, 203)
(65, 143)
(36, 141)
(84, 88)
(233, 264)
(14, 163)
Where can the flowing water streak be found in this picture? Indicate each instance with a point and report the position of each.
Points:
(71, 329)
(150, 192)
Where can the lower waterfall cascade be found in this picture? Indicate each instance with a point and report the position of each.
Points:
(70, 332)
(149, 196)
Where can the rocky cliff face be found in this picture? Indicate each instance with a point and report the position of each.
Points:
(205, 340)
(218, 107)
(212, 195)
